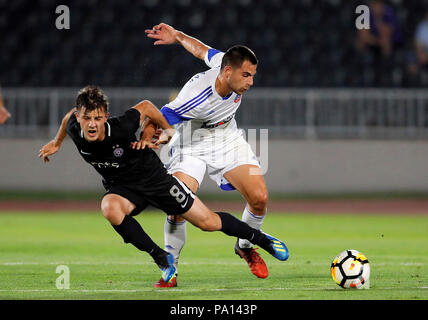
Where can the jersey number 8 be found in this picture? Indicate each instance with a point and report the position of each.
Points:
(177, 194)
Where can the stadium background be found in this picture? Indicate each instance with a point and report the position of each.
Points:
(339, 120)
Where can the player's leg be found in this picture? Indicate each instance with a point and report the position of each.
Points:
(115, 207)
(117, 210)
(249, 181)
(237, 163)
(175, 198)
(175, 225)
(190, 171)
(205, 219)
(175, 233)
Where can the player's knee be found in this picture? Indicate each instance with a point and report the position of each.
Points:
(258, 201)
(112, 212)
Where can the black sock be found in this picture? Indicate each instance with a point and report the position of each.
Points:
(237, 228)
(132, 232)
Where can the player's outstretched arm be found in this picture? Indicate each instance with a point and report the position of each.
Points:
(4, 114)
(165, 34)
(155, 120)
(54, 145)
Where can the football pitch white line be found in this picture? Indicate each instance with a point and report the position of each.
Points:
(113, 263)
(18, 263)
(171, 290)
(95, 263)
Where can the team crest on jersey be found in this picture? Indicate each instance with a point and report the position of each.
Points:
(237, 98)
(117, 151)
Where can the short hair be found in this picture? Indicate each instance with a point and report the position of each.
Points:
(91, 98)
(236, 56)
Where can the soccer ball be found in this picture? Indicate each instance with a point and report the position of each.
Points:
(351, 269)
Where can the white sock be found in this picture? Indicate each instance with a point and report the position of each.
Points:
(253, 221)
(175, 237)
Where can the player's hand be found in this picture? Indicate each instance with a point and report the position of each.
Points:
(165, 136)
(4, 115)
(48, 149)
(142, 144)
(147, 142)
(163, 33)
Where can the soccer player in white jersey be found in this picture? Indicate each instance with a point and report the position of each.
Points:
(208, 137)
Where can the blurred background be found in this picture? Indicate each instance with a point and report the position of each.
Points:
(346, 109)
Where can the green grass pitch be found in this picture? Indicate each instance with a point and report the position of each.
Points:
(101, 266)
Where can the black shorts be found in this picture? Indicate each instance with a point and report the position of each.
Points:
(166, 193)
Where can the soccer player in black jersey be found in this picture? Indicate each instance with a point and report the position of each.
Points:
(134, 177)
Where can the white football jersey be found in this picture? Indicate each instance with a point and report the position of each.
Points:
(198, 106)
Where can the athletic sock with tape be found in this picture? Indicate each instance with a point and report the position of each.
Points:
(253, 221)
(175, 237)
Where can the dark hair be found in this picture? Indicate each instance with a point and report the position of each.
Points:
(236, 56)
(91, 98)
